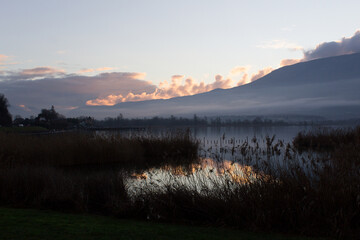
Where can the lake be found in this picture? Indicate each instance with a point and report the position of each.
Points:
(221, 156)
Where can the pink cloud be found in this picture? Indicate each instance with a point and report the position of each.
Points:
(87, 70)
(115, 87)
(244, 79)
(41, 71)
(3, 58)
(255, 76)
(239, 70)
(24, 107)
(176, 88)
(66, 92)
(69, 107)
(261, 73)
(287, 62)
(180, 86)
(104, 69)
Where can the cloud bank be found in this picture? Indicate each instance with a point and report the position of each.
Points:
(65, 91)
(328, 49)
(287, 62)
(180, 86)
(176, 88)
(45, 86)
(31, 74)
(335, 48)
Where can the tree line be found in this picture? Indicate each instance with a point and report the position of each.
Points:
(50, 119)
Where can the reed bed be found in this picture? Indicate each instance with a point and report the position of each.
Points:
(44, 187)
(278, 187)
(325, 139)
(91, 149)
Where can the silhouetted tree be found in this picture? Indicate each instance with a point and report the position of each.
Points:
(5, 116)
(49, 118)
(48, 114)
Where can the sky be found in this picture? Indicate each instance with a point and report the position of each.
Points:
(73, 53)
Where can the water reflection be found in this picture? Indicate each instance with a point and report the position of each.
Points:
(206, 174)
(225, 162)
(228, 156)
(214, 134)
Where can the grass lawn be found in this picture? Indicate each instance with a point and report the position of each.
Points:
(39, 224)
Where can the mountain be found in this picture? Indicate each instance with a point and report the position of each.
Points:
(327, 87)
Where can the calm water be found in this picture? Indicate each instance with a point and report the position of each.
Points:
(223, 137)
(286, 133)
(219, 163)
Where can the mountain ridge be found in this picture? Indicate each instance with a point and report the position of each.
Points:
(327, 87)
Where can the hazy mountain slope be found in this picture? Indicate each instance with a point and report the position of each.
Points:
(326, 87)
(320, 70)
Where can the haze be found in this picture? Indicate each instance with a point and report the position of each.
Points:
(85, 55)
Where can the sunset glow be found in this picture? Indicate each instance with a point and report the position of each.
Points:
(139, 51)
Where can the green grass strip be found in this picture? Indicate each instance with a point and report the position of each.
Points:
(39, 224)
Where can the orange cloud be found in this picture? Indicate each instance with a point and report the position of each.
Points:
(4, 60)
(261, 73)
(25, 107)
(67, 91)
(244, 79)
(87, 70)
(287, 62)
(176, 88)
(255, 76)
(238, 70)
(180, 86)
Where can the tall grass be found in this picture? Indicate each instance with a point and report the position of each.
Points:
(309, 192)
(88, 149)
(327, 139)
(48, 187)
(279, 189)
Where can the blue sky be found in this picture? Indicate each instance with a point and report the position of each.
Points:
(194, 39)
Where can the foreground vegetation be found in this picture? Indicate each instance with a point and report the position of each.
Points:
(328, 140)
(279, 188)
(91, 149)
(34, 224)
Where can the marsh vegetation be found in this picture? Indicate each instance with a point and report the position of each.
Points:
(310, 186)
